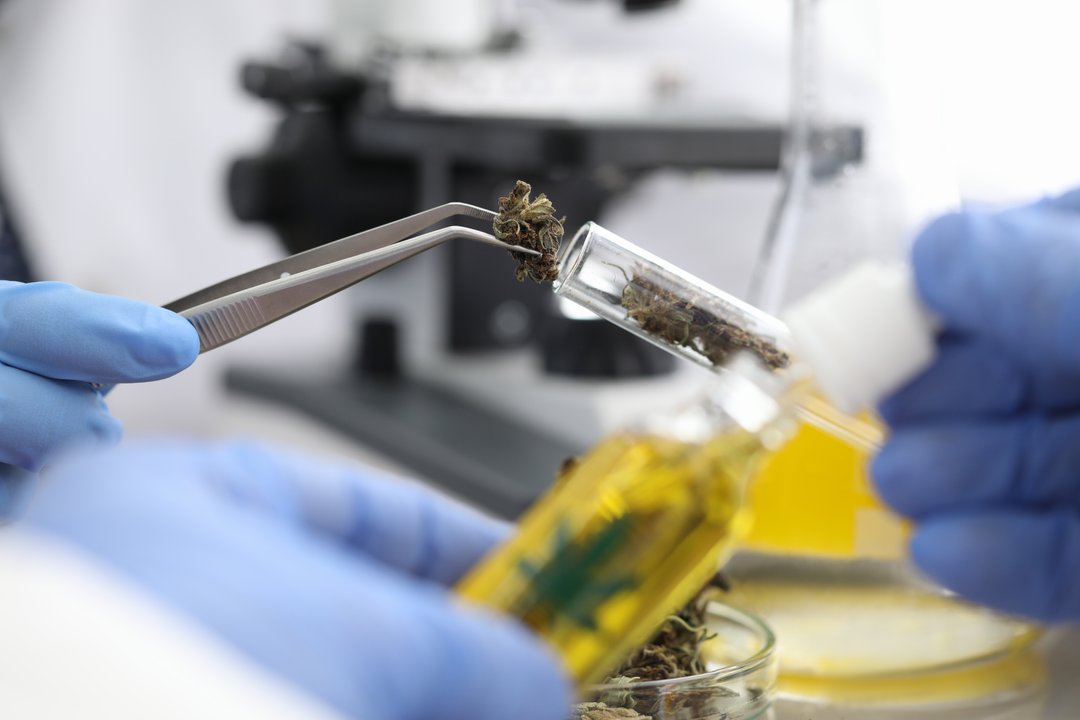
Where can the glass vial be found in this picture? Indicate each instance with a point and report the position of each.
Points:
(663, 304)
(859, 337)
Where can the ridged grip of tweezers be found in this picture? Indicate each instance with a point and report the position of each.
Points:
(217, 326)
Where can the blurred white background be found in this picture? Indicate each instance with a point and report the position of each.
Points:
(117, 119)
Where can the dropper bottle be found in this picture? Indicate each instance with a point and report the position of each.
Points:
(630, 532)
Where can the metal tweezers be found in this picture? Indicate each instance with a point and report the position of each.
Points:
(240, 305)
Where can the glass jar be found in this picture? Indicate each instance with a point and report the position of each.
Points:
(740, 683)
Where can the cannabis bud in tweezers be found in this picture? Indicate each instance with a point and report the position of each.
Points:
(531, 224)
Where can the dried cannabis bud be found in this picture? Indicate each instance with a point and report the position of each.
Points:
(675, 650)
(531, 224)
(682, 322)
(600, 711)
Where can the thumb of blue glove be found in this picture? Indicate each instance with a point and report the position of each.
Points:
(55, 340)
(1010, 282)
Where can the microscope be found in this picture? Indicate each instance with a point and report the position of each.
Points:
(483, 385)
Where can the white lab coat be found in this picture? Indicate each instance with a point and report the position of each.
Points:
(80, 642)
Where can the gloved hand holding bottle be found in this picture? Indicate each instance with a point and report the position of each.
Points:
(326, 575)
(56, 342)
(984, 452)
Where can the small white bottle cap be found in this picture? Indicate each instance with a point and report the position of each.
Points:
(863, 335)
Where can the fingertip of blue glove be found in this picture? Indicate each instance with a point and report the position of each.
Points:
(108, 429)
(466, 661)
(926, 470)
(890, 471)
(974, 555)
(1069, 200)
(531, 677)
(59, 331)
(44, 419)
(1020, 561)
(938, 258)
(936, 545)
(167, 344)
(1008, 276)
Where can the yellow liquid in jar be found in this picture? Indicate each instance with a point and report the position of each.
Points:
(624, 539)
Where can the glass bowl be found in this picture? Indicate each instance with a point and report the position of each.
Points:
(740, 683)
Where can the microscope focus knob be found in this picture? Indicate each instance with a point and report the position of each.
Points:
(259, 188)
(598, 349)
(641, 5)
(309, 81)
(378, 352)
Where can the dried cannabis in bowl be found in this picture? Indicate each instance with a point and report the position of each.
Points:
(530, 224)
(675, 651)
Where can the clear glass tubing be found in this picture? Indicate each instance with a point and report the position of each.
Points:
(685, 315)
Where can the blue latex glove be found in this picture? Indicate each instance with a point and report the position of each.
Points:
(985, 448)
(54, 341)
(332, 578)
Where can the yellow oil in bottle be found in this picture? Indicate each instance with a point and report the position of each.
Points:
(814, 495)
(627, 537)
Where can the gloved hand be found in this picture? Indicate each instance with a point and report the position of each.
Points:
(985, 448)
(54, 341)
(328, 576)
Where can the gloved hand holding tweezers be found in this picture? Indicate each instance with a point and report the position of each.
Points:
(61, 348)
(233, 308)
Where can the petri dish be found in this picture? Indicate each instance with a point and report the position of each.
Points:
(1008, 686)
(864, 638)
(740, 683)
